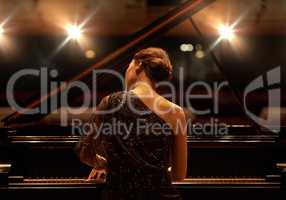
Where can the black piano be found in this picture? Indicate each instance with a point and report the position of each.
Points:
(38, 160)
(237, 166)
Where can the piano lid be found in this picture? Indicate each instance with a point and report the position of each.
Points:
(247, 57)
(139, 40)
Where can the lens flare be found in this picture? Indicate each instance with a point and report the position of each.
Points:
(1, 30)
(2, 33)
(226, 32)
(74, 32)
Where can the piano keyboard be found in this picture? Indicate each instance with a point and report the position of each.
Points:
(218, 181)
(188, 181)
(197, 188)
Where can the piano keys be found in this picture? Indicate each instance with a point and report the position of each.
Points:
(235, 165)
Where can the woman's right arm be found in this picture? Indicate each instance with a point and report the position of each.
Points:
(179, 149)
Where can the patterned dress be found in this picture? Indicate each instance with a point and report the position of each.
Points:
(135, 142)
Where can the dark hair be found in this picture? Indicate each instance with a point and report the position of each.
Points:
(156, 63)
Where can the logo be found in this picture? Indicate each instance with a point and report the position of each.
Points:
(270, 81)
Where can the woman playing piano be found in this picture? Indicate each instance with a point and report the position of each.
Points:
(147, 148)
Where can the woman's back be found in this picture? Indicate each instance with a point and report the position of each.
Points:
(137, 146)
(143, 136)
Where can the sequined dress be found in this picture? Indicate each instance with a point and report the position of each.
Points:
(136, 143)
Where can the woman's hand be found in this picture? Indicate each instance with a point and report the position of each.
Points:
(97, 175)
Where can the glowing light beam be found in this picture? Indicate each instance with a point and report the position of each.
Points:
(1, 31)
(74, 32)
(226, 32)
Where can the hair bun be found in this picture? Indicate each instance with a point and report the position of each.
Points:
(157, 70)
(156, 63)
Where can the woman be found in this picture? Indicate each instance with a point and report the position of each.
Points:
(141, 160)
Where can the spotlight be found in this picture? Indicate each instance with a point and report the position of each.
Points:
(90, 54)
(73, 31)
(226, 32)
(200, 54)
(186, 47)
(1, 30)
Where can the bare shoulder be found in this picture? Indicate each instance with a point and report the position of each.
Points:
(165, 103)
(174, 115)
(172, 110)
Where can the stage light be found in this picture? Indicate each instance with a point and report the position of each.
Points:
(183, 47)
(200, 54)
(3, 36)
(226, 32)
(90, 54)
(74, 32)
(169, 169)
(1, 30)
(186, 47)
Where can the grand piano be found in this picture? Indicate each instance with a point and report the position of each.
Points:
(37, 156)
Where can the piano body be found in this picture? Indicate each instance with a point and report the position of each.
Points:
(39, 160)
(237, 166)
